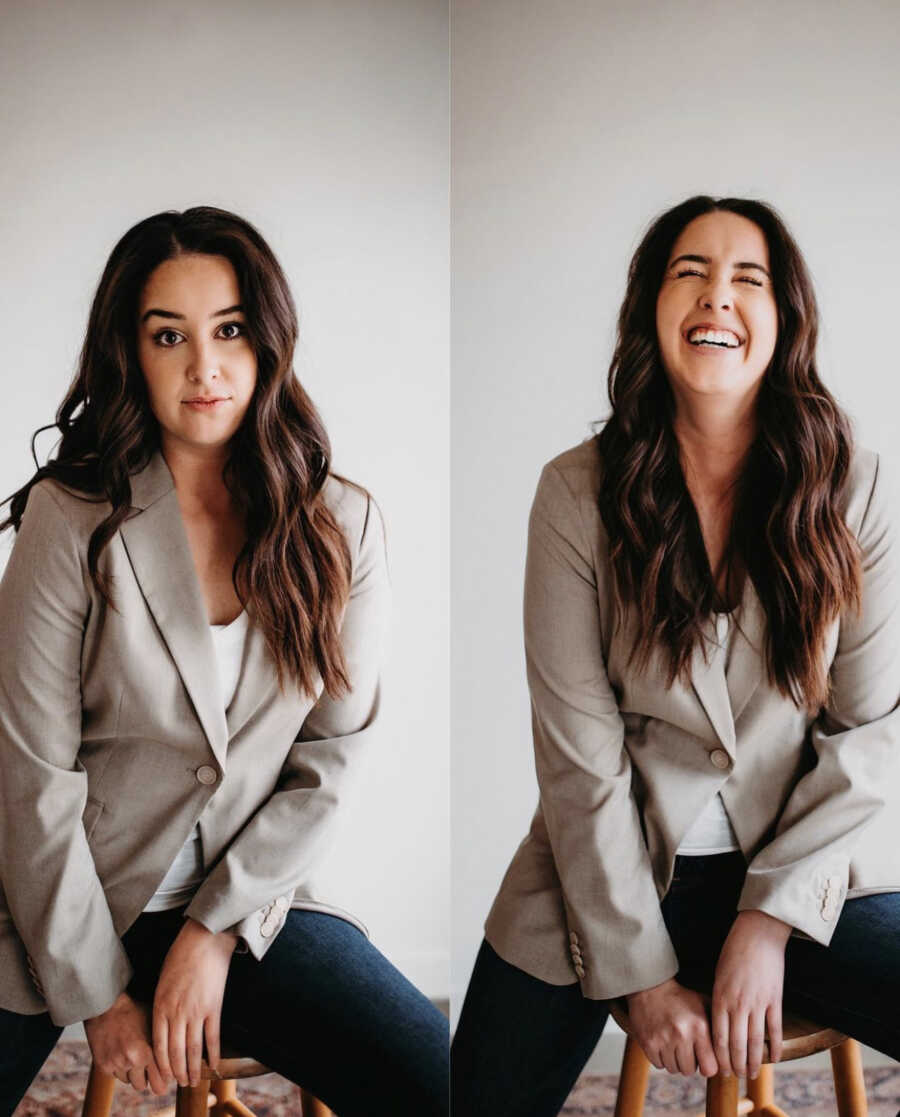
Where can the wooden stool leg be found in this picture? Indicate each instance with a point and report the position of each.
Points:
(192, 1101)
(849, 1084)
(99, 1094)
(224, 1090)
(633, 1079)
(761, 1090)
(722, 1096)
(312, 1107)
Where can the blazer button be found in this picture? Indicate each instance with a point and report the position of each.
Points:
(206, 775)
(719, 758)
(573, 937)
(579, 969)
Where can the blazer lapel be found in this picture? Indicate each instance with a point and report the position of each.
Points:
(708, 682)
(747, 664)
(724, 694)
(160, 556)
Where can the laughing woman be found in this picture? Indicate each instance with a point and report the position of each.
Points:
(712, 637)
(192, 618)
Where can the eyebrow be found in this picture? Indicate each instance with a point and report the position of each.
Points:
(172, 314)
(740, 264)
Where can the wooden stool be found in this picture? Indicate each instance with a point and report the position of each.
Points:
(801, 1037)
(197, 1101)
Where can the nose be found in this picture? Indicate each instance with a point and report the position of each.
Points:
(202, 363)
(716, 293)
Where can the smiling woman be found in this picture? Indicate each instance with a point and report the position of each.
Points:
(193, 616)
(712, 618)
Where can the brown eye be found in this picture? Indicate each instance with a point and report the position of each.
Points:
(160, 334)
(237, 326)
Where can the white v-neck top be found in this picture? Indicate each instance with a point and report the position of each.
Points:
(712, 831)
(186, 871)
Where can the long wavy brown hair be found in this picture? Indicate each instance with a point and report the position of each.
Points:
(787, 528)
(293, 573)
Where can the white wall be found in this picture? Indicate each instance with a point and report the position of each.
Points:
(325, 124)
(574, 124)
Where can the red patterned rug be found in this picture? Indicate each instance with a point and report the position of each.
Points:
(58, 1091)
(801, 1093)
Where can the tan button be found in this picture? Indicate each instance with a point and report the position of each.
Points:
(206, 775)
(580, 971)
(576, 953)
(719, 758)
(573, 937)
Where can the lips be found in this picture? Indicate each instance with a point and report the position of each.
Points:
(715, 327)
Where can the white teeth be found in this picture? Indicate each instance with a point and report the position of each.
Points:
(715, 337)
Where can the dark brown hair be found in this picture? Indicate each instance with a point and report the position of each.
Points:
(293, 573)
(787, 527)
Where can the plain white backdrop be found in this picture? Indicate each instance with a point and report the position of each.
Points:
(575, 124)
(326, 125)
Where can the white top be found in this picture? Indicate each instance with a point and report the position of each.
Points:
(711, 831)
(186, 871)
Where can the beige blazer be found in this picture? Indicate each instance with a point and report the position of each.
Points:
(625, 765)
(114, 738)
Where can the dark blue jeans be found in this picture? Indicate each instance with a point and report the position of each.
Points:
(521, 1043)
(324, 1008)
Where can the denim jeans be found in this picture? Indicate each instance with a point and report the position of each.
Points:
(324, 1008)
(521, 1043)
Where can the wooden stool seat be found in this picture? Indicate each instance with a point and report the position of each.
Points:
(800, 1038)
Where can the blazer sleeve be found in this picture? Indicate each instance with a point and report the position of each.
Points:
(801, 876)
(619, 940)
(55, 897)
(250, 889)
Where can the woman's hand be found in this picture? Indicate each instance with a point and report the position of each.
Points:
(669, 1022)
(188, 1001)
(747, 992)
(120, 1045)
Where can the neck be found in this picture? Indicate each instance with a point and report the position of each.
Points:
(197, 472)
(714, 439)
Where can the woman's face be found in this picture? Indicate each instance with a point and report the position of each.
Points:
(717, 278)
(194, 351)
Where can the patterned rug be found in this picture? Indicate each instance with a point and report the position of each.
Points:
(800, 1093)
(58, 1091)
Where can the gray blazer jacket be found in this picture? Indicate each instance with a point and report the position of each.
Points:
(114, 738)
(625, 765)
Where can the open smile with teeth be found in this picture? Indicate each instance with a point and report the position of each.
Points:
(721, 339)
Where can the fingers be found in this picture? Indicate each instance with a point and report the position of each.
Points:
(194, 1044)
(157, 1083)
(755, 1036)
(773, 1019)
(178, 1050)
(161, 1044)
(684, 1058)
(706, 1060)
(212, 1041)
(720, 1038)
(737, 1041)
(138, 1078)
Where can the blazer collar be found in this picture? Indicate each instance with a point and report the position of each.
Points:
(724, 694)
(160, 555)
